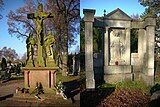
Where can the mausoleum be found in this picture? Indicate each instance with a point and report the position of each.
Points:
(116, 61)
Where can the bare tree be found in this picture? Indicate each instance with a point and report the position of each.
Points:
(18, 23)
(69, 11)
(64, 24)
(1, 7)
(9, 54)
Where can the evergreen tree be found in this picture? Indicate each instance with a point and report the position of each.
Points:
(3, 63)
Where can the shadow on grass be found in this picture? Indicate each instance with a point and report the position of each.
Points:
(94, 98)
(73, 88)
(5, 97)
(155, 103)
(155, 90)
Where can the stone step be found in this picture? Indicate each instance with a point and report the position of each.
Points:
(53, 102)
(53, 99)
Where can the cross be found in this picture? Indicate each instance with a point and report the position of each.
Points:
(38, 20)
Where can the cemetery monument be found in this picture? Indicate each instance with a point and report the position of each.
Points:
(117, 61)
(41, 68)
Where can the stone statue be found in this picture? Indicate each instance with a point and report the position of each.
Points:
(49, 41)
(30, 48)
(116, 46)
(38, 20)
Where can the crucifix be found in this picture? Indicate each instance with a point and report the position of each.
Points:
(38, 20)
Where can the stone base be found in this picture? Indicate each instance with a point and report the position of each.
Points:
(137, 68)
(114, 78)
(137, 76)
(119, 62)
(44, 75)
(113, 69)
(148, 80)
(51, 63)
(90, 84)
(30, 63)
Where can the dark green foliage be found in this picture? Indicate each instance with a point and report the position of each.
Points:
(97, 39)
(70, 62)
(134, 41)
(3, 64)
(153, 7)
(82, 35)
(155, 88)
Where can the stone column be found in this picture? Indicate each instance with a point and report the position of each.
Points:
(53, 78)
(150, 49)
(140, 45)
(26, 79)
(150, 23)
(89, 19)
(106, 49)
(128, 49)
(144, 41)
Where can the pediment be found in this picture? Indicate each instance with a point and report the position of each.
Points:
(117, 14)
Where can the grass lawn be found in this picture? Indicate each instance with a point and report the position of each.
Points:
(66, 78)
(131, 84)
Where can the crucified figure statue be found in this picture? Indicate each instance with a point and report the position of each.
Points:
(38, 20)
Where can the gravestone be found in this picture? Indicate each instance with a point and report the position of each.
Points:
(41, 68)
(76, 64)
(119, 64)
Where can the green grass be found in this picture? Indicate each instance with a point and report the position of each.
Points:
(59, 77)
(131, 84)
(17, 77)
(106, 85)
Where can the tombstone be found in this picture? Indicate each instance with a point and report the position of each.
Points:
(117, 47)
(118, 61)
(76, 64)
(40, 69)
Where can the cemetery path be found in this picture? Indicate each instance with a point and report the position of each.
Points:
(8, 88)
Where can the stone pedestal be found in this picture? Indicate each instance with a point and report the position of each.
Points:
(44, 75)
(117, 56)
(113, 74)
(117, 69)
(30, 63)
(115, 78)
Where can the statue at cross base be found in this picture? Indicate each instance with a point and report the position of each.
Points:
(38, 20)
(30, 50)
(49, 42)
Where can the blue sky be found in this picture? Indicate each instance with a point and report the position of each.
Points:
(5, 38)
(128, 6)
(12, 41)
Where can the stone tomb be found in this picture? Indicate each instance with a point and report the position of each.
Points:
(117, 47)
(118, 61)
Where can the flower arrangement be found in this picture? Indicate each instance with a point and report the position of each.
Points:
(60, 88)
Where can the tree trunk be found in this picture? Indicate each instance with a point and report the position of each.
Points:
(65, 54)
